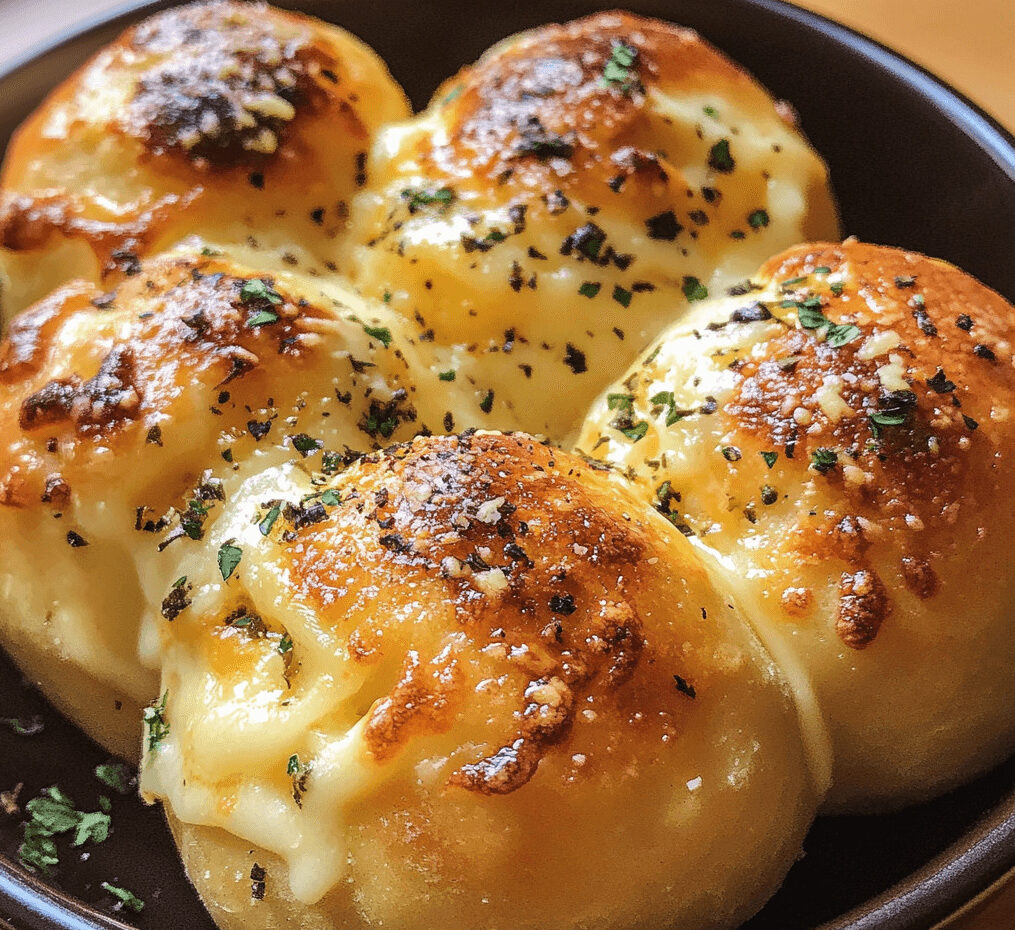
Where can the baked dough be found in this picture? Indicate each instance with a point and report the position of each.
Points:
(127, 416)
(470, 682)
(554, 209)
(839, 435)
(223, 119)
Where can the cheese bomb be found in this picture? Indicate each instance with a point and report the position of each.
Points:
(224, 119)
(839, 432)
(570, 194)
(126, 418)
(469, 682)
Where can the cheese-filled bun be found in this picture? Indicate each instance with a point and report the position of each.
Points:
(840, 435)
(126, 417)
(565, 197)
(222, 118)
(469, 682)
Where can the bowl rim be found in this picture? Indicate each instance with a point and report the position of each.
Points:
(972, 866)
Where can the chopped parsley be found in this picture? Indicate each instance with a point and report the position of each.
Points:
(155, 722)
(228, 558)
(115, 775)
(54, 814)
(619, 68)
(269, 519)
(621, 296)
(257, 290)
(882, 418)
(694, 289)
(824, 460)
(719, 157)
(306, 445)
(758, 219)
(381, 333)
(331, 497)
(263, 318)
(285, 644)
(842, 333)
(420, 197)
(24, 726)
(731, 453)
(127, 899)
(620, 401)
(636, 431)
(770, 458)
(486, 404)
(589, 289)
(448, 375)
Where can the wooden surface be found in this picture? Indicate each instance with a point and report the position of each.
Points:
(970, 43)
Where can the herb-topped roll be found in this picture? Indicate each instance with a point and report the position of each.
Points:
(224, 119)
(839, 434)
(127, 417)
(469, 682)
(565, 197)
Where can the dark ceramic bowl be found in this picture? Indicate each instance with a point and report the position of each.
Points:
(913, 163)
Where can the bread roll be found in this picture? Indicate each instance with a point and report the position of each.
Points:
(567, 196)
(224, 119)
(839, 434)
(469, 682)
(125, 419)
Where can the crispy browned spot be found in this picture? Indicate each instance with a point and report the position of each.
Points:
(863, 607)
(223, 78)
(919, 576)
(438, 517)
(421, 700)
(542, 96)
(101, 400)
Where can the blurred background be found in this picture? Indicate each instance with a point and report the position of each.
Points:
(969, 43)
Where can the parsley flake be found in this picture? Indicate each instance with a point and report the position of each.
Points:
(694, 289)
(619, 69)
(269, 519)
(255, 289)
(622, 296)
(381, 333)
(448, 375)
(719, 157)
(127, 899)
(589, 289)
(636, 431)
(228, 558)
(758, 219)
(770, 458)
(155, 722)
(262, 318)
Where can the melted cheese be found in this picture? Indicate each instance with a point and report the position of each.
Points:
(127, 417)
(230, 120)
(838, 456)
(542, 224)
(430, 738)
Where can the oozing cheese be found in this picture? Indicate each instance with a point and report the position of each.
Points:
(418, 746)
(827, 434)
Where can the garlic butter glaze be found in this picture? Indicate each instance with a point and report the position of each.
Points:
(469, 682)
(223, 119)
(567, 196)
(838, 434)
(127, 417)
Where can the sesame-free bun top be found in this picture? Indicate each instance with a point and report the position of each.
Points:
(469, 682)
(840, 435)
(222, 119)
(127, 416)
(552, 208)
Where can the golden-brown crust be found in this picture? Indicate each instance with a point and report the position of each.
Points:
(184, 333)
(543, 97)
(916, 443)
(225, 86)
(533, 565)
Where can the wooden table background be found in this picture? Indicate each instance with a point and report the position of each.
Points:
(970, 43)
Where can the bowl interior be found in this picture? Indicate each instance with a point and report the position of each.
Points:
(913, 165)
